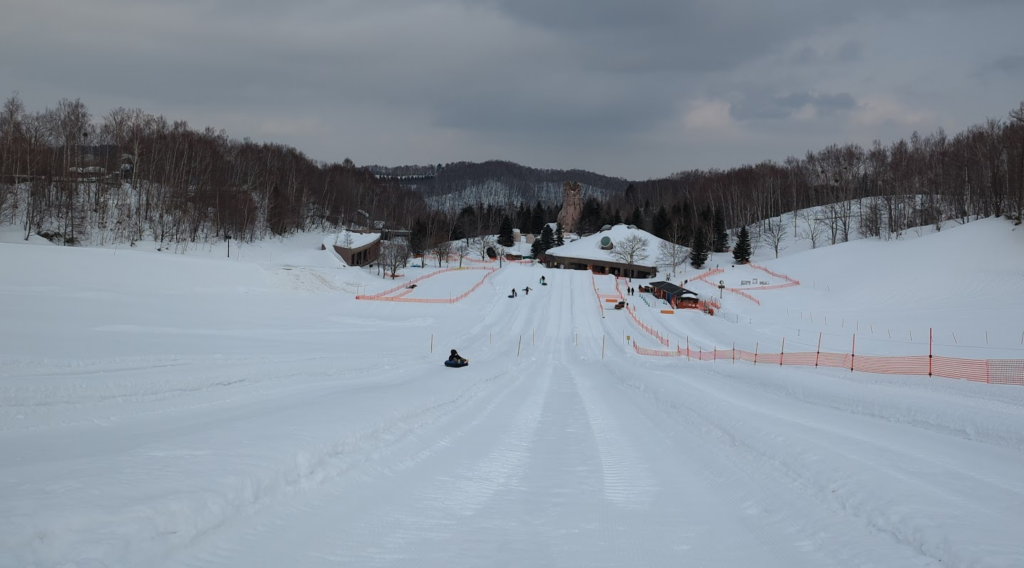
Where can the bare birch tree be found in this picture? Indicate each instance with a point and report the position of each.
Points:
(480, 244)
(773, 233)
(630, 250)
(394, 254)
(813, 229)
(462, 249)
(672, 255)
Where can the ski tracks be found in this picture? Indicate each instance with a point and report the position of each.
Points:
(398, 504)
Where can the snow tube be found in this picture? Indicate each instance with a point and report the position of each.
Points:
(454, 364)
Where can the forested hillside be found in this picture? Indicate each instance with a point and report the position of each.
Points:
(130, 176)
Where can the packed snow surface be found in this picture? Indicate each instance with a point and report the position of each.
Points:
(195, 410)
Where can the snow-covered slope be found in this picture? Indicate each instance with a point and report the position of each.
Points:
(195, 410)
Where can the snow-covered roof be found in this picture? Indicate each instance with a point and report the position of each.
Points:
(358, 239)
(589, 247)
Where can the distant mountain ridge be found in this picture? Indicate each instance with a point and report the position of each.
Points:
(495, 182)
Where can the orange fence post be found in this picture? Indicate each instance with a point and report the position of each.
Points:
(733, 352)
(782, 354)
(755, 352)
(687, 347)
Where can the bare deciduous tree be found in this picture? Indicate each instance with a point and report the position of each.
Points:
(773, 233)
(394, 254)
(501, 251)
(462, 249)
(672, 255)
(813, 229)
(442, 249)
(481, 243)
(630, 250)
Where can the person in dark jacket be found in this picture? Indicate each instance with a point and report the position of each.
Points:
(455, 358)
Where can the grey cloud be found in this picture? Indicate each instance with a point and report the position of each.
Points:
(848, 52)
(604, 83)
(1011, 64)
(781, 107)
(685, 35)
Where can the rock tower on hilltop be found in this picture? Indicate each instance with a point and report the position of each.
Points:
(572, 206)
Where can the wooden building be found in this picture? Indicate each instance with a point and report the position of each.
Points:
(677, 296)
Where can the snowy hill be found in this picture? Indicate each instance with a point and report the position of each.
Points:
(195, 409)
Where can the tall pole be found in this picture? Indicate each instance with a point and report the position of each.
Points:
(929, 351)
(853, 352)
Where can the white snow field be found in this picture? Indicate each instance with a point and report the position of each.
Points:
(191, 410)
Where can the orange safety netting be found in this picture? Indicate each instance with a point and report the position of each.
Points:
(993, 371)
(704, 278)
(789, 281)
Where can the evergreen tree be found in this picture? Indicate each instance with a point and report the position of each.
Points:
(536, 249)
(418, 237)
(637, 218)
(706, 214)
(465, 223)
(523, 216)
(505, 237)
(537, 219)
(661, 223)
(699, 251)
(721, 238)
(547, 238)
(631, 196)
(590, 216)
(559, 235)
(742, 251)
(615, 219)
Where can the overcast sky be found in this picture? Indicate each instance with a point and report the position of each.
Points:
(636, 89)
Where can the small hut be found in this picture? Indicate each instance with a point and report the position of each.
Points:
(677, 296)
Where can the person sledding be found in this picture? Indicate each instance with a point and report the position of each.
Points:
(456, 358)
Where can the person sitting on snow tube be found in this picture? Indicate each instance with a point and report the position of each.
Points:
(455, 358)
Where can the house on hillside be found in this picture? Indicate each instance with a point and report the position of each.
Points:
(357, 249)
(596, 253)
